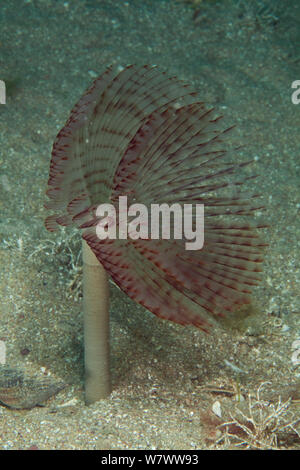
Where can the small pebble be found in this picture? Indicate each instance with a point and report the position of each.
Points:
(216, 409)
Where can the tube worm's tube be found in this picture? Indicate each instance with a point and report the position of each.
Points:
(96, 327)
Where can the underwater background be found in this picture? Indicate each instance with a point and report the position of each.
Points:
(173, 387)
